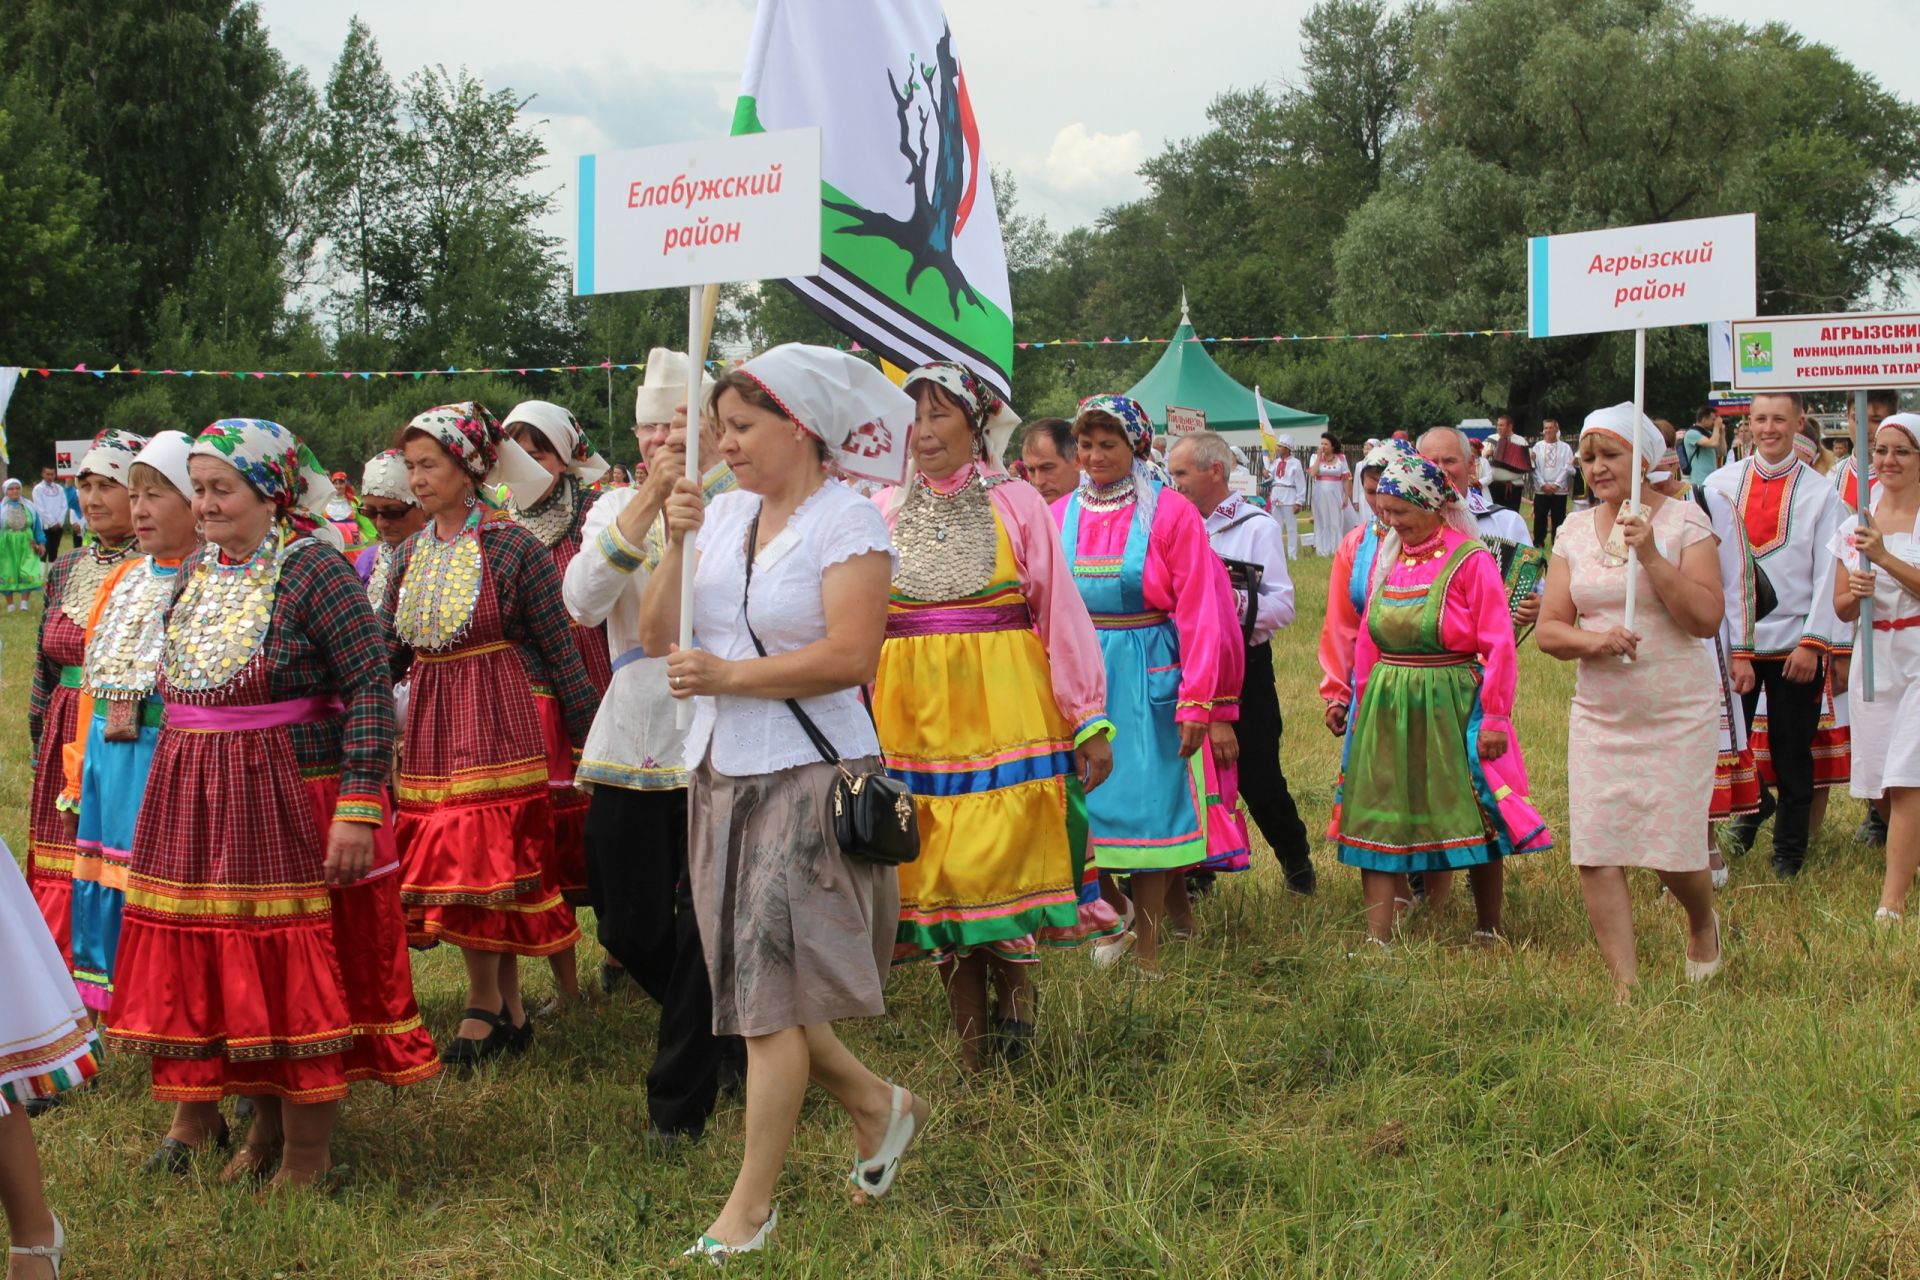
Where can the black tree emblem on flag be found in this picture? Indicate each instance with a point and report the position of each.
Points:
(938, 177)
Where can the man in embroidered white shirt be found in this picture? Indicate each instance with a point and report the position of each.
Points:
(1791, 514)
(50, 504)
(1552, 476)
(1239, 530)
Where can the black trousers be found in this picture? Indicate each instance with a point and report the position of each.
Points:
(1549, 513)
(1793, 714)
(643, 907)
(1262, 784)
(52, 552)
(1506, 493)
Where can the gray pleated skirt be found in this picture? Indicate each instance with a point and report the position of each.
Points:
(794, 931)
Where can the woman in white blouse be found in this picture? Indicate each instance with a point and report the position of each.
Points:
(797, 934)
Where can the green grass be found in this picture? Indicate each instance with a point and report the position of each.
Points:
(1270, 1109)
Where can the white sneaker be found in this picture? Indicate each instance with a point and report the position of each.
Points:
(1886, 917)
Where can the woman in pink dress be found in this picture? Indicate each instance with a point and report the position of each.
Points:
(1433, 780)
(1642, 694)
(1170, 639)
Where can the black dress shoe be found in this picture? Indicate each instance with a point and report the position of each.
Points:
(520, 1038)
(611, 976)
(1746, 829)
(1301, 877)
(462, 1053)
(1785, 867)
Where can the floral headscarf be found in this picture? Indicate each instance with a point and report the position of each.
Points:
(1138, 428)
(112, 455)
(1128, 412)
(1411, 478)
(1386, 451)
(274, 461)
(467, 431)
(993, 419)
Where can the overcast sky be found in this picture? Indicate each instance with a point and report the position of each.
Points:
(1071, 95)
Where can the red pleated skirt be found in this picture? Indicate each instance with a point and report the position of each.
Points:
(567, 854)
(237, 982)
(476, 815)
(50, 850)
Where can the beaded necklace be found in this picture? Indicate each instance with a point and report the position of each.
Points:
(441, 587)
(1429, 549)
(550, 518)
(1108, 497)
(221, 617)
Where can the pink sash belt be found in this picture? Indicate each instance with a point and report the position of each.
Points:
(264, 715)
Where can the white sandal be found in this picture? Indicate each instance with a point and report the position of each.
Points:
(719, 1251)
(53, 1253)
(872, 1179)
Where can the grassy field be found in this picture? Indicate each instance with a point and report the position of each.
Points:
(1270, 1109)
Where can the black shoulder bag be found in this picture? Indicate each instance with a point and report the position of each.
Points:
(873, 814)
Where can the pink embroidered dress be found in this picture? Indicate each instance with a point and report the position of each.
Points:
(1170, 637)
(1434, 668)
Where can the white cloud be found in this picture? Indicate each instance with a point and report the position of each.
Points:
(1080, 158)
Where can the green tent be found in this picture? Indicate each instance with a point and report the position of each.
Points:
(1187, 378)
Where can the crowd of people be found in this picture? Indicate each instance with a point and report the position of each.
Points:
(286, 728)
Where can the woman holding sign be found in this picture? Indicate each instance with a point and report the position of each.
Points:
(789, 614)
(1643, 693)
(1880, 559)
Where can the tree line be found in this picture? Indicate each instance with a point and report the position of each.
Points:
(174, 194)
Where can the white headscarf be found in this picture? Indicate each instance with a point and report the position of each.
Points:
(561, 430)
(1907, 422)
(842, 401)
(386, 477)
(166, 452)
(1619, 422)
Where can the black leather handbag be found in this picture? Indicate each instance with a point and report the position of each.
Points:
(873, 813)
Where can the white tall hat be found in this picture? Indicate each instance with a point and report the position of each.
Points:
(664, 387)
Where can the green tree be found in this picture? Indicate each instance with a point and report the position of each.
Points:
(358, 183)
(166, 102)
(1534, 118)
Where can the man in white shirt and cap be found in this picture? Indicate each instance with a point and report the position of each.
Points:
(1241, 532)
(1288, 495)
(1791, 514)
(1552, 479)
(1450, 449)
(634, 767)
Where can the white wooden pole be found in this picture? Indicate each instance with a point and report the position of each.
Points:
(700, 299)
(1863, 507)
(1633, 490)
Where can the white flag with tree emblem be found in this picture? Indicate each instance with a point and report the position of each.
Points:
(912, 263)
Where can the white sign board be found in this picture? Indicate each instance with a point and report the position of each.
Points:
(694, 213)
(1814, 353)
(1184, 422)
(67, 455)
(1665, 273)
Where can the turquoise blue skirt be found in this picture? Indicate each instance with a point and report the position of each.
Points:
(113, 782)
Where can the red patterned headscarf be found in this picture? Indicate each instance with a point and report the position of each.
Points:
(465, 430)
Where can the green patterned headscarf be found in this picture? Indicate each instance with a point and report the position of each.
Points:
(274, 461)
